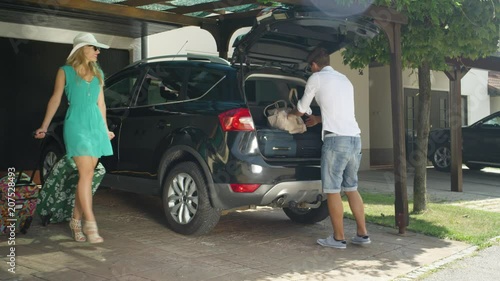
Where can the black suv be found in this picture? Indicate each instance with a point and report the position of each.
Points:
(480, 145)
(191, 129)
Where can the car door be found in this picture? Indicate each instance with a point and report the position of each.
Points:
(489, 132)
(151, 120)
(119, 93)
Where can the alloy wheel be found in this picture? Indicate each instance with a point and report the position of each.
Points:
(183, 198)
(442, 157)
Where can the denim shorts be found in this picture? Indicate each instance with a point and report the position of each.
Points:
(340, 159)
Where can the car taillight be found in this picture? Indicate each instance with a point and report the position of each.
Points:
(244, 188)
(238, 119)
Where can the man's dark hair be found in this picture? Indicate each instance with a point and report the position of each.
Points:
(320, 56)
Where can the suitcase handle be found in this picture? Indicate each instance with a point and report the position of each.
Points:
(20, 178)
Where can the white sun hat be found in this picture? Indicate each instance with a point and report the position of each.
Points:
(84, 39)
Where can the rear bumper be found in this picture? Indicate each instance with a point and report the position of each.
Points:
(281, 194)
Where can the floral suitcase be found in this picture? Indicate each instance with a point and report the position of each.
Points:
(57, 196)
(18, 202)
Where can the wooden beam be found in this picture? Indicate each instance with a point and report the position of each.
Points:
(247, 18)
(487, 63)
(211, 6)
(137, 3)
(117, 11)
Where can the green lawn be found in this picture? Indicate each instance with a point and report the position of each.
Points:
(441, 220)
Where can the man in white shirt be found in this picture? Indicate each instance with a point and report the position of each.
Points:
(341, 152)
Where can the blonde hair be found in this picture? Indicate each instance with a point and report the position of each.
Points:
(77, 61)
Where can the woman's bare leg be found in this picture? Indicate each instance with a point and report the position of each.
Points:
(83, 198)
(86, 166)
(77, 210)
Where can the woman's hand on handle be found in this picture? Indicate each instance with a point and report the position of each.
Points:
(40, 133)
(111, 135)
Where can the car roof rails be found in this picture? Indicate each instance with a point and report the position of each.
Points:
(188, 56)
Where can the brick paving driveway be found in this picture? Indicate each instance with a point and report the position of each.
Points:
(259, 244)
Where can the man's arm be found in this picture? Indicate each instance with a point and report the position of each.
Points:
(295, 112)
(303, 105)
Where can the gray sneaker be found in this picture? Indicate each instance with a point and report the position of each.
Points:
(332, 243)
(361, 240)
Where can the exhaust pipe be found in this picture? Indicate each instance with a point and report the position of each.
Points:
(280, 201)
(306, 205)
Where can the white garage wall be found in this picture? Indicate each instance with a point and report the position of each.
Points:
(475, 87)
(24, 32)
(189, 39)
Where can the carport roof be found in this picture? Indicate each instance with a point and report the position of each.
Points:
(139, 18)
(132, 18)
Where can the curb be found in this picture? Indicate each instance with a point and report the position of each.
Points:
(412, 275)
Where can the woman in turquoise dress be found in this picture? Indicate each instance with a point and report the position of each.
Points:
(86, 134)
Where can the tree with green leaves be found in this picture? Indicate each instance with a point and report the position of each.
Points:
(436, 30)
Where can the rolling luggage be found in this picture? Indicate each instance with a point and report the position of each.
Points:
(18, 202)
(281, 144)
(57, 196)
(276, 143)
(309, 144)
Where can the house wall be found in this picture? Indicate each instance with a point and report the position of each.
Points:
(475, 87)
(495, 104)
(380, 116)
(361, 98)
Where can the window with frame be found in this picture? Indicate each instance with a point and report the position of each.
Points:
(120, 93)
(492, 123)
(161, 85)
(202, 82)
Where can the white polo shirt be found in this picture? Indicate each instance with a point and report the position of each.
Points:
(334, 94)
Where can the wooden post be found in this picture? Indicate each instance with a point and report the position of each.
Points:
(455, 117)
(393, 32)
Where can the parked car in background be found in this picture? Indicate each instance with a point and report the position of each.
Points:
(480, 145)
(191, 129)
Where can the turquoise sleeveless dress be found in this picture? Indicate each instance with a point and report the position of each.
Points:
(84, 131)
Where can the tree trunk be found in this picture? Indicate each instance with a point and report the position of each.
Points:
(423, 125)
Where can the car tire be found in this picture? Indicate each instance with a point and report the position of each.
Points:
(307, 215)
(474, 167)
(441, 158)
(186, 202)
(50, 155)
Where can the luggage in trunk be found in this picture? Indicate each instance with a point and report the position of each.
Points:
(275, 143)
(308, 144)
